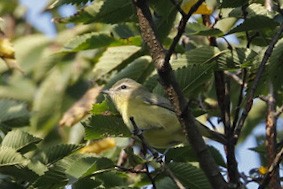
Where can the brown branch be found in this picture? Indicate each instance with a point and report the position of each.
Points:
(222, 85)
(181, 29)
(274, 166)
(271, 136)
(168, 80)
(251, 94)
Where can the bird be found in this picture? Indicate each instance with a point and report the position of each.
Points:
(153, 115)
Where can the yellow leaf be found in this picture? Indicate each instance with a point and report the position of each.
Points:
(6, 48)
(81, 108)
(99, 146)
(262, 170)
(203, 8)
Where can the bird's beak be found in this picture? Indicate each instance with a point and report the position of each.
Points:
(105, 92)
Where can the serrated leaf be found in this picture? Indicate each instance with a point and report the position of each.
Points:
(199, 29)
(55, 177)
(58, 152)
(255, 23)
(166, 183)
(255, 9)
(189, 175)
(55, 3)
(112, 58)
(114, 11)
(136, 70)
(194, 70)
(186, 154)
(9, 156)
(86, 166)
(14, 164)
(239, 58)
(87, 182)
(13, 113)
(18, 140)
(88, 41)
(100, 126)
(100, 108)
(108, 11)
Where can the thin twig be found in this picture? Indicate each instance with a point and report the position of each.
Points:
(145, 148)
(130, 170)
(178, 7)
(234, 77)
(240, 99)
(278, 158)
(181, 29)
(260, 71)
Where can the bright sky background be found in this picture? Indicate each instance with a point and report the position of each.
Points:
(43, 22)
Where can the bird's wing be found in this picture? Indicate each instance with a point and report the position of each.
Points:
(158, 101)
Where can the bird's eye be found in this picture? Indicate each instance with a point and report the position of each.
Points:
(123, 86)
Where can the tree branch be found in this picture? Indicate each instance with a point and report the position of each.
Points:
(271, 136)
(168, 80)
(274, 166)
(251, 95)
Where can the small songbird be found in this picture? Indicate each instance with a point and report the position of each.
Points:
(153, 115)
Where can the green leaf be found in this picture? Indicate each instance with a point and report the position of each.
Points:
(164, 16)
(55, 177)
(275, 71)
(112, 58)
(112, 180)
(9, 156)
(87, 182)
(86, 166)
(255, 23)
(14, 164)
(186, 154)
(253, 120)
(114, 11)
(55, 3)
(107, 11)
(232, 3)
(100, 108)
(58, 152)
(194, 71)
(100, 126)
(189, 175)
(19, 140)
(88, 41)
(199, 29)
(13, 113)
(137, 70)
(239, 58)
(47, 105)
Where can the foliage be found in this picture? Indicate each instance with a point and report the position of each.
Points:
(103, 46)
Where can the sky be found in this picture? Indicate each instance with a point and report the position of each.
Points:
(43, 22)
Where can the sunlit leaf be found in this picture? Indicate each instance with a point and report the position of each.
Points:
(100, 126)
(18, 140)
(255, 23)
